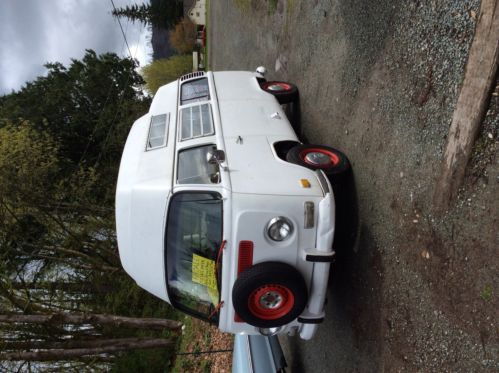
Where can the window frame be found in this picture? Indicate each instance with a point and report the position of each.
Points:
(194, 99)
(166, 122)
(196, 105)
(178, 167)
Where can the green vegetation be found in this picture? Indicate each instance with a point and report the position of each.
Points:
(161, 72)
(486, 293)
(243, 4)
(61, 138)
(272, 6)
(206, 51)
(196, 337)
(183, 36)
(161, 13)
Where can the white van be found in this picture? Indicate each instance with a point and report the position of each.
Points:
(222, 212)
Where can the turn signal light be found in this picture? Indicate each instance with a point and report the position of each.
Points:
(245, 256)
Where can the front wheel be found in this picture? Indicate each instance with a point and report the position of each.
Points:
(285, 93)
(317, 157)
(269, 294)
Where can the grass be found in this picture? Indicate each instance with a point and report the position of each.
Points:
(486, 293)
(243, 4)
(272, 6)
(195, 338)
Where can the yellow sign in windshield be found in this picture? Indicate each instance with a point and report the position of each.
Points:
(203, 271)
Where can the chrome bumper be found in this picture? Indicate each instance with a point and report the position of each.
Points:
(322, 256)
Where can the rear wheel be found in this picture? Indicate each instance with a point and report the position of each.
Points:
(269, 294)
(317, 157)
(284, 92)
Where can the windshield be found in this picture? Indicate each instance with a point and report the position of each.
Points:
(193, 237)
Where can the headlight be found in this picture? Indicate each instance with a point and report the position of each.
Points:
(279, 228)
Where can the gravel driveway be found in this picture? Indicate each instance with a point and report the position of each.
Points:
(379, 80)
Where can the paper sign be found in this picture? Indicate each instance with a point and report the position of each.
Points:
(203, 271)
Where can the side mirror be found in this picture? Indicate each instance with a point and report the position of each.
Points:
(215, 178)
(215, 156)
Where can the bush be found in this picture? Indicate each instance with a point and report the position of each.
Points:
(164, 71)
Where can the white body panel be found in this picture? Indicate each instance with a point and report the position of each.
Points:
(256, 186)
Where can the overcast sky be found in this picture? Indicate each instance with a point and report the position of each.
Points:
(33, 32)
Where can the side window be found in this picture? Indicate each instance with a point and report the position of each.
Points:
(193, 166)
(194, 90)
(158, 134)
(196, 122)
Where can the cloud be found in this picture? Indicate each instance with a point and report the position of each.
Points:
(34, 32)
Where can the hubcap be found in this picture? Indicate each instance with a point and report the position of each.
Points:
(271, 300)
(317, 158)
(279, 87)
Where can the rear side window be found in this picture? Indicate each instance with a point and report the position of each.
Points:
(158, 131)
(194, 90)
(196, 122)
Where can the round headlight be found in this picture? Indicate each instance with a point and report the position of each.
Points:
(279, 228)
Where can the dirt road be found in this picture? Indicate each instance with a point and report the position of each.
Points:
(379, 80)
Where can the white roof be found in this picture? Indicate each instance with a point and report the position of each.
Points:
(144, 184)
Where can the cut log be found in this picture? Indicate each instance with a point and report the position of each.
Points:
(480, 74)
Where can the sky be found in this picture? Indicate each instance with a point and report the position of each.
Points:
(34, 32)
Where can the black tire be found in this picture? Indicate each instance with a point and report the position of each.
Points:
(336, 169)
(285, 93)
(267, 278)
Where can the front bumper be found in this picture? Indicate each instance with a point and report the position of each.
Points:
(322, 256)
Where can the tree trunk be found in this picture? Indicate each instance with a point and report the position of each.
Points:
(68, 344)
(94, 348)
(75, 318)
(471, 105)
(67, 287)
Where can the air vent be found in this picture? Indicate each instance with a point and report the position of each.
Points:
(195, 74)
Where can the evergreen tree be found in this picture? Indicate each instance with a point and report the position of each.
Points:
(134, 13)
(159, 13)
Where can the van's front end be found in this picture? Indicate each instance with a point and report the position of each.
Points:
(278, 260)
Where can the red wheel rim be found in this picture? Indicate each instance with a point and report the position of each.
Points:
(277, 86)
(319, 157)
(271, 302)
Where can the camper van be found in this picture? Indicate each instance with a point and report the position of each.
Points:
(222, 212)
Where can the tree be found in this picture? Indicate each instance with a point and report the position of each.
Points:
(71, 350)
(34, 347)
(61, 138)
(142, 13)
(183, 36)
(88, 107)
(164, 71)
(160, 13)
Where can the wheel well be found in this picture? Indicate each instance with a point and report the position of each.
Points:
(282, 148)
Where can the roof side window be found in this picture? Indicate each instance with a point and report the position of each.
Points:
(196, 121)
(194, 90)
(157, 136)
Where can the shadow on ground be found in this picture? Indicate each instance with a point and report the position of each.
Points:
(350, 335)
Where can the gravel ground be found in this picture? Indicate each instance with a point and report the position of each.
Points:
(379, 80)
